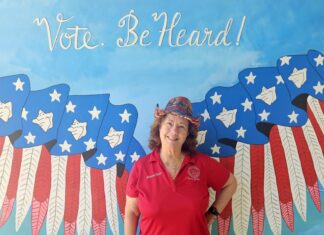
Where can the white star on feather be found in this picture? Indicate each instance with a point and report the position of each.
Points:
(90, 144)
(268, 96)
(5, 111)
(120, 156)
(250, 78)
(135, 157)
(264, 115)
(55, 96)
(298, 77)
(227, 117)
(114, 137)
(247, 105)
(101, 159)
(70, 107)
(65, 147)
(205, 115)
(24, 114)
(215, 149)
(94, 113)
(216, 98)
(293, 117)
(125, 116)
(279, 80)
(44, 120)
(19, 85)
(285, 60)
(241, 132)
(30, 138)
(319, 60)
(318, 88)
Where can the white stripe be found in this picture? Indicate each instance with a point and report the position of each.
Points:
(55, 211)
(111, 199)
(5, 167)
(85, 203)
(241, 202)
(271, 197)
(30, 158)
(296, 176)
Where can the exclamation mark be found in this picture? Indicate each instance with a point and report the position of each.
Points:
(240, 32)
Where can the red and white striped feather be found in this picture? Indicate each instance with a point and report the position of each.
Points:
(257, 187)
(30, 158)
(98, 202)
(85, 206)
(111, 198)
(41, 191)
(55, 211)
(297, 181)
(282, 177)
(5, 167)
(271, 196)
(72, 185)
(241, 201)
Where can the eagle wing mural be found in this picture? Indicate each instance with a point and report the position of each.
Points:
(66, 158)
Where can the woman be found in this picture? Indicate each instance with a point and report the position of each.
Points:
(168, 188)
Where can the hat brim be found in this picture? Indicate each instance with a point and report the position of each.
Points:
(161, 113)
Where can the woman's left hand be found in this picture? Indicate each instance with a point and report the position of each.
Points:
(210, 218)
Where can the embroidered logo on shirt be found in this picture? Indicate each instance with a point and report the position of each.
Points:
(193, 172)
(154, 175)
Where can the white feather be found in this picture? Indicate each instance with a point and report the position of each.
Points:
(296, 177)
(27, 174)
(55, 210)
(111, 199)
(317, 111)
(85, 203)
(271, 197)
(212, 193)
(241, 202)
(5, 167)
(315, 149)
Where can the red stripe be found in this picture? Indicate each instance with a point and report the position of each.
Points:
(6, 210)
(2, 139)
(282, 177)
(317, 128)
(42, 190)
(307, 165)
(14, 175)
(72, 193)
(121, 183)
(224, 218)
(12, 187)
(223, 225)
(257, 187)
(98, 197)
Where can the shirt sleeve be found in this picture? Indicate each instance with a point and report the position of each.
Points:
(131, 188)
(217, 174)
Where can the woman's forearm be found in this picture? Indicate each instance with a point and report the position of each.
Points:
(131, 221)
(225, 195)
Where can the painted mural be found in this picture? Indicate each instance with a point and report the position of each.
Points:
(79, 83)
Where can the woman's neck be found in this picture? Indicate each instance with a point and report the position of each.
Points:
(171, 155)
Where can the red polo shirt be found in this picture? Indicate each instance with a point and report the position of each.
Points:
(174, 207)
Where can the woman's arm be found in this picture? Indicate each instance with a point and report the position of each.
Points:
(131, 215)
(223, 197)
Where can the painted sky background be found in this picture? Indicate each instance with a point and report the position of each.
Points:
(145, 76)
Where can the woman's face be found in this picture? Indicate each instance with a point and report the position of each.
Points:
(173, 131)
